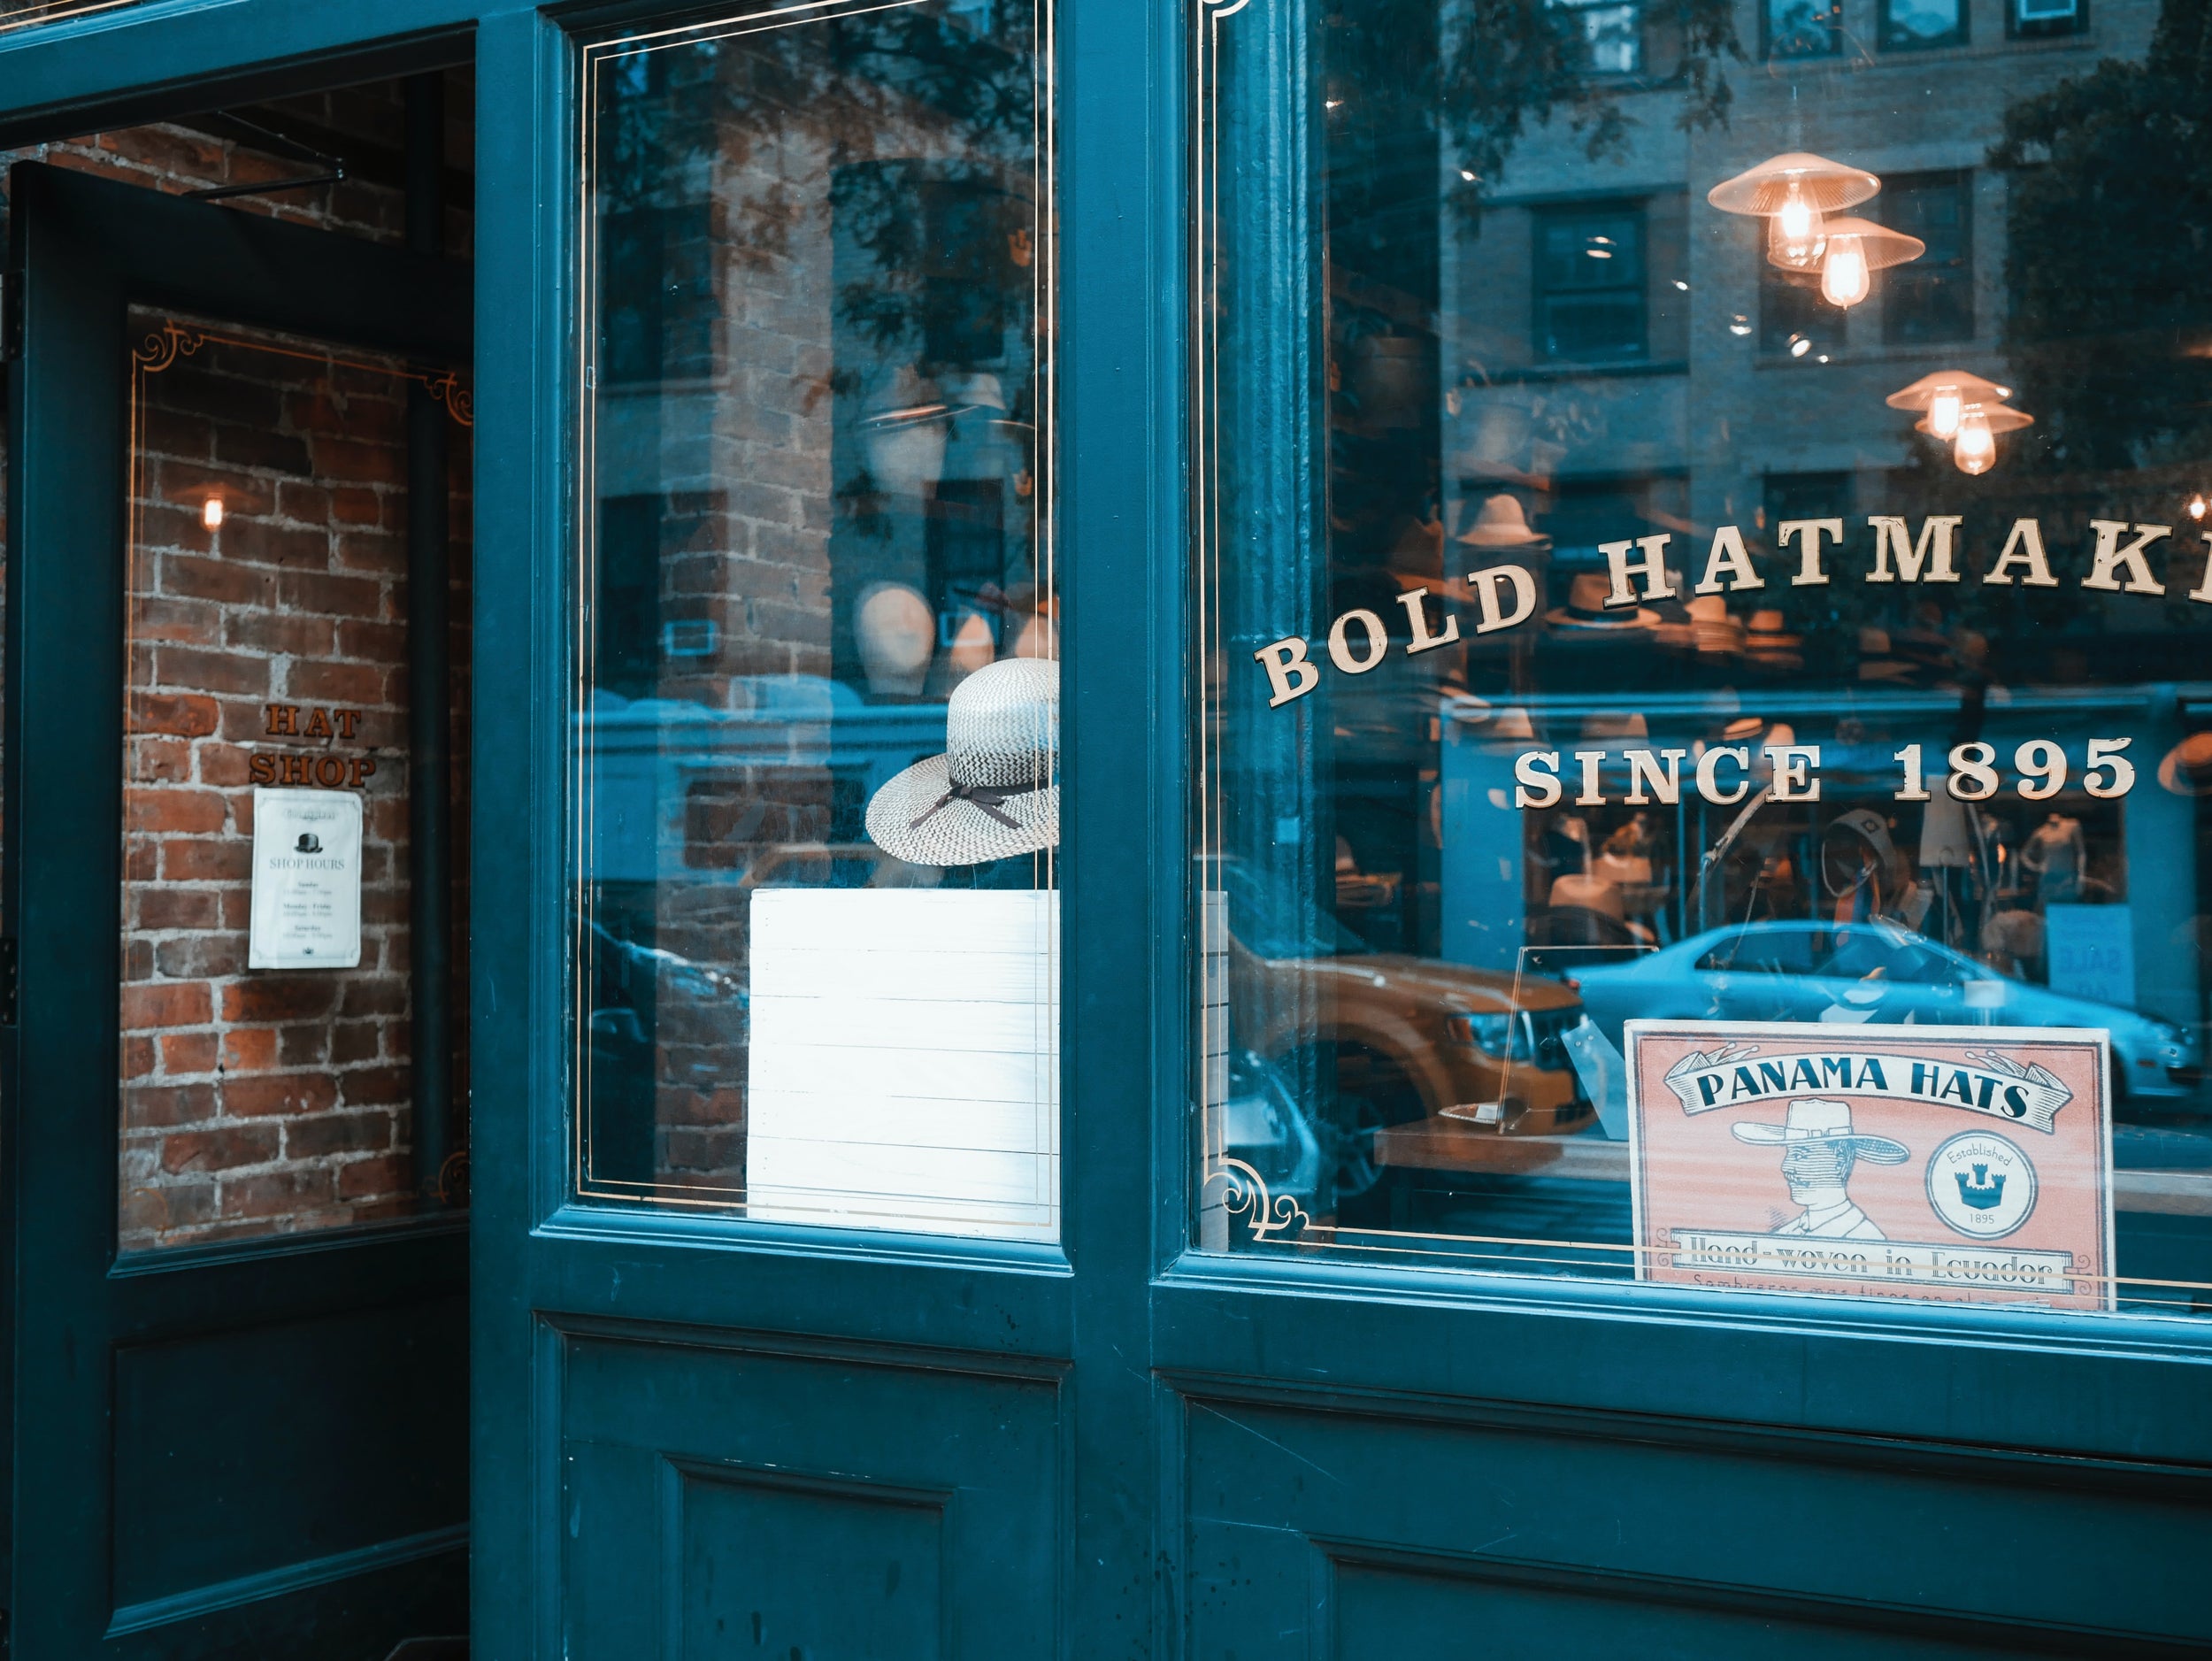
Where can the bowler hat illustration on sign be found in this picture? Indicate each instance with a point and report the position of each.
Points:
(1819, 1148)
(308, 843)
(994, 792)
(1586, 609)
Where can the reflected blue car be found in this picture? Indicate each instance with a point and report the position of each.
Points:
(1855, 973)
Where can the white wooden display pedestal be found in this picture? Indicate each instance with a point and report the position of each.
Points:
(905, 1061)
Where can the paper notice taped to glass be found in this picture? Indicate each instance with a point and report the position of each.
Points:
(306, 881)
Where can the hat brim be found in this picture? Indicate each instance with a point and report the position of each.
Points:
(1476, 538)
(1643, 616)
(1880, 1149)
(960, 832)
(2171, 777)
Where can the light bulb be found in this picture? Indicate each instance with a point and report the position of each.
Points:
(1843, 274)
(1974, 449)
(1943, 412)
(1795, 233)
(212, 513)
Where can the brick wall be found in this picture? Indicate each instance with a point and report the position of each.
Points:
(265, 1102)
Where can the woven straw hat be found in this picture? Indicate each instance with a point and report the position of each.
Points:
(994, 791)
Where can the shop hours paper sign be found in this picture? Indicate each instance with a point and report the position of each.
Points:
(1963, 1165)
(306, 881)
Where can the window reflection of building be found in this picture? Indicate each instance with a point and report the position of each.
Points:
(1911, 24)
(1590, 284)
(1801, 28)
(1932, 298)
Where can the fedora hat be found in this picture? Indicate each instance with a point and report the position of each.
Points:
(2187, 767)
(994, 792)
(1812, 1120)
(1586, 608)
(1501, 524)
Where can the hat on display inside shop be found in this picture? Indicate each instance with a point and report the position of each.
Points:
(898, 635)
(1502, 524)
(1512, 723)
(2187, 767)
(994, 792)
(1586, 609)
(1768, 641)
(1715, 630)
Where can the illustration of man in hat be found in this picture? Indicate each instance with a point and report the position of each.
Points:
(1819, 1148)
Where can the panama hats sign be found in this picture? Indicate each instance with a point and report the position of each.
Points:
(1955, 1164)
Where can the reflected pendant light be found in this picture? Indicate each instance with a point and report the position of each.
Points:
(1965, 410)
(1853, 250)
(1794, 192)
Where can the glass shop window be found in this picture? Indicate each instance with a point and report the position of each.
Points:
(1660, 818)
(1931, 298)
(1801, 28)
(1911, 24)
(815, 924)
(1590, 284)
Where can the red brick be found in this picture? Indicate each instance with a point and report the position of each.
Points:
(188, 1052)
(279, 997)
(192, 622)
(373, 996)
(390, 1174)
(226, 764)
(265, 543)
(249, 1049)
(330, 596)
(181, 713)
(307, 1045)
(216, 580)
(147, 1007)
(340, 1133)
(242, 672)
(355, 1041)
(279, 632)
(289, 1093)
(157, 1107)
(336, 683)
(160, 908)
(213, 957)
(209, 861)
(223, 1148)
(375, 1087)
(364, 464)
(138, 1057)
(181, 812)
(161, 760)
(379, 643)
(309, 504)
(354, 505)
(275, 1193)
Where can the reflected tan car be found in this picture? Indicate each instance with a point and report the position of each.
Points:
(1412, 1037)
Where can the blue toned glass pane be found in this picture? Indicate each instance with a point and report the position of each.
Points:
(816, 656)
(1692, 786)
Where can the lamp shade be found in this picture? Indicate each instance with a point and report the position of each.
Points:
(2001, 419)
(1970, 388)
(1824, 185)
(1881, 246)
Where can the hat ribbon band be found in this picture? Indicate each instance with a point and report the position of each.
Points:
(983, 797)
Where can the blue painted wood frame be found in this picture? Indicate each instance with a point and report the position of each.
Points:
(1392, 1457)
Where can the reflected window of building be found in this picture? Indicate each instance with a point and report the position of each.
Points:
(1611, 35)
(1931, 298)
(2032, 20)
(1795, 321)
(1590, 300)
(1913, 24)
(1801, 28)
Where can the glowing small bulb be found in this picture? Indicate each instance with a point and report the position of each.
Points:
(212, 513)
(1467, 175)
(1974, 449)
(1943, 412)
(1843, 274)
(1797, 230)
(1800, 346)
(2196, 507)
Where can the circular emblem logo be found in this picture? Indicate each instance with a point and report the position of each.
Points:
(1981, 1185)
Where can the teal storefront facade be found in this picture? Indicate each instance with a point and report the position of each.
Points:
(976, 828)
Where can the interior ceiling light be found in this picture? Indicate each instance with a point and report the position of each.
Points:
(1794, 193)
(1943, 398)
(1851, 251)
